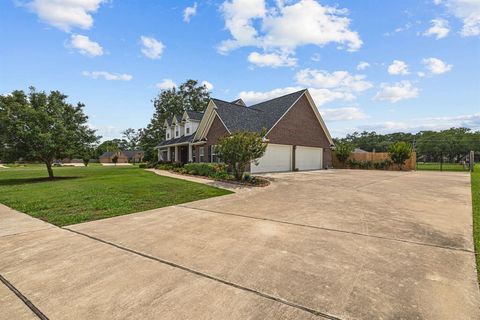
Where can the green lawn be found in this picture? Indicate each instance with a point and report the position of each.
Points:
(82, 194)
(476, 214)
(436, 166)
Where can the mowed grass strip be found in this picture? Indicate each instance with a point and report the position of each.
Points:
(80, 194)
(435, 166)
(476, 214)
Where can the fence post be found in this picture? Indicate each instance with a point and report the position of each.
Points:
(471, 162)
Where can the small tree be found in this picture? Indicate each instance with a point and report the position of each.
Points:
(399, 152)
(86, 161)
(239, 149)
(343, 152)
(115, 159)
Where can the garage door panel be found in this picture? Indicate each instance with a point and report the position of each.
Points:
(277, 158)
(307, 158)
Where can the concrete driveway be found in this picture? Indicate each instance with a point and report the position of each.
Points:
(326, 244)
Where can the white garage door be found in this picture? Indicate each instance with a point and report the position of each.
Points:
(277, 158)
(307, 158)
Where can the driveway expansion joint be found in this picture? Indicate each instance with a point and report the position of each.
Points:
(207, 276)
(24, 299)
(331, 229)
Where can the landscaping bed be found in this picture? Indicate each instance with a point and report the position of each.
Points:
(212, 171)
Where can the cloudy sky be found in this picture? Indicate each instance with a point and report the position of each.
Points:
(370, 65)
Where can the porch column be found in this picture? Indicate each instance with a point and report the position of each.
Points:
(169, 156)
(160, 154)
(190, 158)
(176, 153)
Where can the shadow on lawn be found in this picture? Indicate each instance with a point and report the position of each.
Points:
(12, 182)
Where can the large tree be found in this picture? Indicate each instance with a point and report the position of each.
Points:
(132, 138)
(41, 126)
(191, 95)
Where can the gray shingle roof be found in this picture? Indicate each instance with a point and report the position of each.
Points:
(181, 139)
(239, 102)
(106, 154)
(132, 153)
(257, 117)
(237, 117)
(195, 115)
(273, 109)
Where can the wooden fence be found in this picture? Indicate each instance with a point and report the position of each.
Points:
(374, 157)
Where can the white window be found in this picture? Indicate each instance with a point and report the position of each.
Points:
(213, 154)
(188, 130)
(168, 135)
(202, 153)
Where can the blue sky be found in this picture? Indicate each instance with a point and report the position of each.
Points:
(370, 65)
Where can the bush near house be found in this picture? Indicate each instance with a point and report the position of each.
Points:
(205, 169)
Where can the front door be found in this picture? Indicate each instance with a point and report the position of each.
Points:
(183, 150)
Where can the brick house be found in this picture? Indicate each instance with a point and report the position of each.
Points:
(124, 156)
(298, 138)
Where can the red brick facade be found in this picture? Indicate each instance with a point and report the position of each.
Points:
(300, 127)
(217, 130)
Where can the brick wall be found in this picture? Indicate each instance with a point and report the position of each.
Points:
(300, 127)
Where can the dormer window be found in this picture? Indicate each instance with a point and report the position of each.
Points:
(176, 133)
(188, 130)
(168, 135)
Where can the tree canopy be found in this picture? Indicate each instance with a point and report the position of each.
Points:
(453, 144)
(45, 127)
(191, 95)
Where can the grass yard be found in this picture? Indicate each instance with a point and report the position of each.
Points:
(436, 166)
(81, 194)
(476, 214)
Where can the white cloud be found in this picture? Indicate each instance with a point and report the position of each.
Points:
(399, 91)
(252, 97)
(285, 27)
(85, 45)
(439, 28)
(421, 74)
(343, 114)
(363, 65)
(398, 67)
(324, 87)
(272, 60)
(469, 12)
(107, 75)
(66, 14)
(437, 2)
(166, 84)
(189, 12)
(436, 66)
(208, 85)
(339, 80)
(471, 121)
(152, 48)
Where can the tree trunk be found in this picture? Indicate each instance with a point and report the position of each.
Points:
(48, 163)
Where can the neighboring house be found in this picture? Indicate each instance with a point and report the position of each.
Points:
(125, 156)
(298, 138)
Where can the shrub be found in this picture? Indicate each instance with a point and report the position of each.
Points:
(221, 175)
(382, 165)
(343, 152)
(142, 165)
(399, 152)
(353, 164)
(203, 169)
(365, 164)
